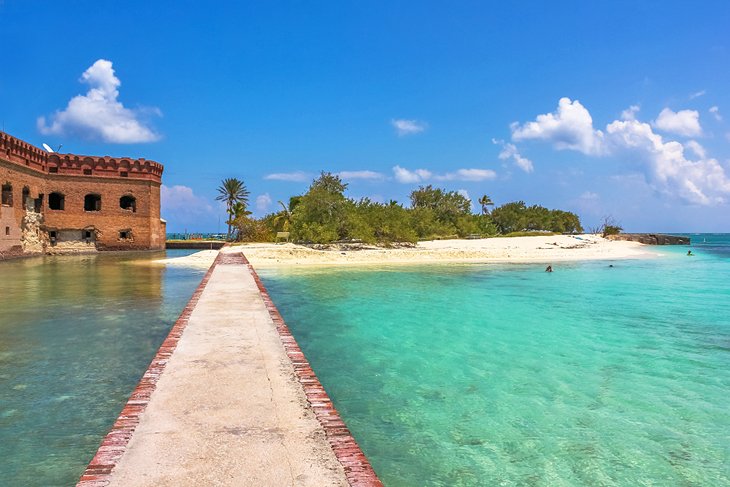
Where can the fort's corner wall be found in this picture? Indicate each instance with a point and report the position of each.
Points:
(58, 203)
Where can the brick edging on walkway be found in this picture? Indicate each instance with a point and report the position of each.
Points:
(114, 444)
(357, 467)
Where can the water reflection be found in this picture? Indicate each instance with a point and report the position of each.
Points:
(76, 333)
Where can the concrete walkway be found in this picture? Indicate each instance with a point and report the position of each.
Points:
(228, 409)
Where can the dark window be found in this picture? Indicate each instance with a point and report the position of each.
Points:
(53, 236)
(87, 235)
(7, 230)
(87, 172)
(53, 169)
(38, 203)
(92, 202)
(28, 203)
(128, 203)
(123, 174)
(56, 201)
(125, 234)
(7, 194)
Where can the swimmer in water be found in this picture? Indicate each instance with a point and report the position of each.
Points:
(689, 253)
(549, 268)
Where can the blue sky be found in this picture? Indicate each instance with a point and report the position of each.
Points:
(603, 108)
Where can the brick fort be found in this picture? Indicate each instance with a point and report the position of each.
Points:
(64, 203)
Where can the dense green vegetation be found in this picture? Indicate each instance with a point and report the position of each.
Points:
(324, 215)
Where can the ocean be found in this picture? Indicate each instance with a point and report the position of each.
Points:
(447, 375)
(76, 335)
(602, 373)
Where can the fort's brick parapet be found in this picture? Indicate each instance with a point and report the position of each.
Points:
(53, 203)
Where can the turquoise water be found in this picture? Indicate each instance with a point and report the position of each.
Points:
(76, 335)
(466, 375)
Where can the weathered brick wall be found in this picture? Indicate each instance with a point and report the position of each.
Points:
(12, 216)
(111, 219)
(23, 165)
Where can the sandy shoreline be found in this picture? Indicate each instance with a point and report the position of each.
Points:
(547, 249)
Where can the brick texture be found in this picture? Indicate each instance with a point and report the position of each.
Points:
(115, 442)
(357, 467)
(25, 166)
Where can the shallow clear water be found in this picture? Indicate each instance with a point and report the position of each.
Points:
(506, 375)
(76, 335)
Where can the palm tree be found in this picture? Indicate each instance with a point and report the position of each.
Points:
(283, 219)
(239, 215)
(486, 202)
(232, 191)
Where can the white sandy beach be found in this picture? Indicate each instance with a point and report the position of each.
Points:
(202, 260)
(547, 249)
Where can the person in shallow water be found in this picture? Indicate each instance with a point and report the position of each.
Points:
(689, 252)
(549, 268)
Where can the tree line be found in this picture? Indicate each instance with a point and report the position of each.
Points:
(324, 214)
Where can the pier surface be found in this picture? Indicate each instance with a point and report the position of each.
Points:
(229, 406)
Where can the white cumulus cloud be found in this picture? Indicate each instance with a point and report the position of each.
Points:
(296, 176)
(407, 176)
(683, 122)
(715, 111)
(405, 127)
(263, 202)
(630, 113)
(99, 114)
(350, 175)
(509, 151)
(668, 169)
(181, 207)
(681, 170)
(180, 197)
(569, 127)
(467, 175)
(697, 148)
(403, 175)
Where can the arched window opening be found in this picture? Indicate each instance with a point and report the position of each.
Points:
(56, 201)
(128, 203)
(7, 194)
(38, 204)
(92, 202)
